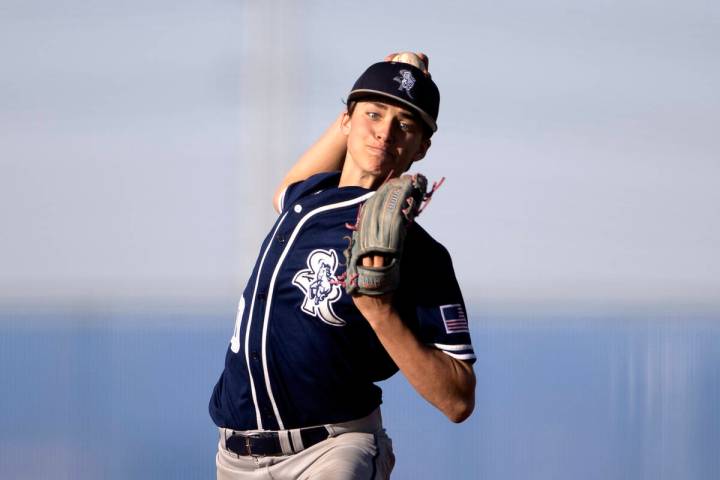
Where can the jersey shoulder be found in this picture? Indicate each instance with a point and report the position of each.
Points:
(421, 246)
(426, 267)
(309, 186)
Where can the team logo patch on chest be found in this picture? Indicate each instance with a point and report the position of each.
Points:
(318, 283)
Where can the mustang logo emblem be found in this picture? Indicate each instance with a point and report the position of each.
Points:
(406, 80)
(318, 283)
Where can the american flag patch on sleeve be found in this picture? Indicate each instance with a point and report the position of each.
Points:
(454, 318)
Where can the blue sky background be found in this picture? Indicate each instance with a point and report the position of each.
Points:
(140, 143)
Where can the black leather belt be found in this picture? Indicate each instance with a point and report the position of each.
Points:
(262, 444)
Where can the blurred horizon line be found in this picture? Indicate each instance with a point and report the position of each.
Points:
(220, 311)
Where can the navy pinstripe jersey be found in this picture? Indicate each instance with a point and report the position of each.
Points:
(301, 353)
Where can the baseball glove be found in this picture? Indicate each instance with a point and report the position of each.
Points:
(380, 230)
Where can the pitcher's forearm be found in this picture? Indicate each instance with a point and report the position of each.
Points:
(445, 382)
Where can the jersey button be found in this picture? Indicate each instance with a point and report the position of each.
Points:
(280, 239)
(255, 355)
(297, 208)
(261, 296)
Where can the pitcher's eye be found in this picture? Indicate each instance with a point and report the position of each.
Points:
(407, 126)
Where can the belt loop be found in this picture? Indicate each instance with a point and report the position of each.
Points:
(296, 438)
(331, 430)
(285, 442)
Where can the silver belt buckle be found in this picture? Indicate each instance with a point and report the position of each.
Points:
(248, 437)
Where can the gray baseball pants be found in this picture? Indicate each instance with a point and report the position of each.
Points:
(356, 450)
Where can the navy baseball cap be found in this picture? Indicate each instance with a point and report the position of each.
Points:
(403, 83)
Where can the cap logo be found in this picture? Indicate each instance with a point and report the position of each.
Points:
(406, 80)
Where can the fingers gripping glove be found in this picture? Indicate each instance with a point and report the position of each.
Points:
(380, 230)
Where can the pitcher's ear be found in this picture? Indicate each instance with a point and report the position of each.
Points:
(345, 123)
(423, 150)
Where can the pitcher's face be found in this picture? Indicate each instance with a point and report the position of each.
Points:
(383, 137)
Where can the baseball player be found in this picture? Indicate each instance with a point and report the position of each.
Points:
(298, 397)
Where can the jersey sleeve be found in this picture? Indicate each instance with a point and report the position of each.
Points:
(287, 194)
(430, 297)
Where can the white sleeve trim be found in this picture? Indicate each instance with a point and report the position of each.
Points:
(452, 348)
(281, 199)
(460, 356)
